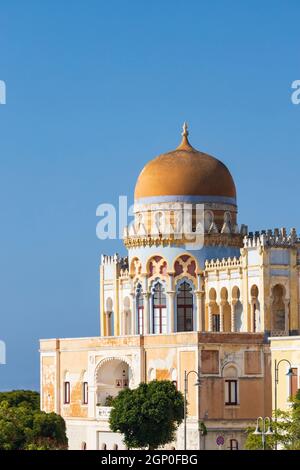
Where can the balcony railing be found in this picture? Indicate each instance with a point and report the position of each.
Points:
(103, 412)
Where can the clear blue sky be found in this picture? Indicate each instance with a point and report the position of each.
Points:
(97, 88)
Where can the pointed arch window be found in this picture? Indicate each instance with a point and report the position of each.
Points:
(185, 307)
(159, 309)
(140, 310)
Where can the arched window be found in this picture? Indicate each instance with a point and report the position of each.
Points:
(140, 310)
(255, 320)
(126, 316)
(185, 307)
(109, 317)
(231, 386)
(278, 309)
(159, 222)
(159, 310)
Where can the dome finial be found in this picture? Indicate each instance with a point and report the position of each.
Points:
(185, 142)
(185, 131)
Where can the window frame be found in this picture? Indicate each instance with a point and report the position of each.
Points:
(216, 322)
(185, 292)
(85, 393)
(67, 392)
(230, 401)
(161, 307)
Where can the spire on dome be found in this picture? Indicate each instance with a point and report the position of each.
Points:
(185, 145)
(185, 131)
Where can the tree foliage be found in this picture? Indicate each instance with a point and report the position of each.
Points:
(254, 442)
(149, 415)
(21, 397)
(289, 425)
(286, 430)
(24, 427)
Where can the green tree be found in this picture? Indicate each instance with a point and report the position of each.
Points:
(286, 430)
(21, 397)
(254, 442)
(289, 425)
(149, 415)
(24, 426)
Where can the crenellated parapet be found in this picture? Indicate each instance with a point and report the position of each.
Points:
(216, 264)
(115, 259)
(114, 266)
(272, 238)
(124, 273)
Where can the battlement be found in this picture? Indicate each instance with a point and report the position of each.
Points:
(224, 263)
(121, 262)
(276, 237)
(124, 273)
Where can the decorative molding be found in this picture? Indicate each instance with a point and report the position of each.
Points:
(224, 263)
(209, 239)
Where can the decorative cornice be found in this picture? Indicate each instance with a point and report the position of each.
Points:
(213, 239)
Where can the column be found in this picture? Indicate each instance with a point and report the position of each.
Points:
(232, 307)
(107, 325)
(200, 310)
(92, 401)
(287, 316)
(146, 296)
(125, 331)
(252, 319)
(171, 310)
(102, 304)
(222, 304)
(122, 322)
(210, 316)
(133, 323)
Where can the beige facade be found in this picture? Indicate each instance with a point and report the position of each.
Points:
(285, 353)
(104, 362)
(206, 301)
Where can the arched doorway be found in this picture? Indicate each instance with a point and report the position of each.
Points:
(112, 376)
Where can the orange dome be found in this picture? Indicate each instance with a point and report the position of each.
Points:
(185, 172)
